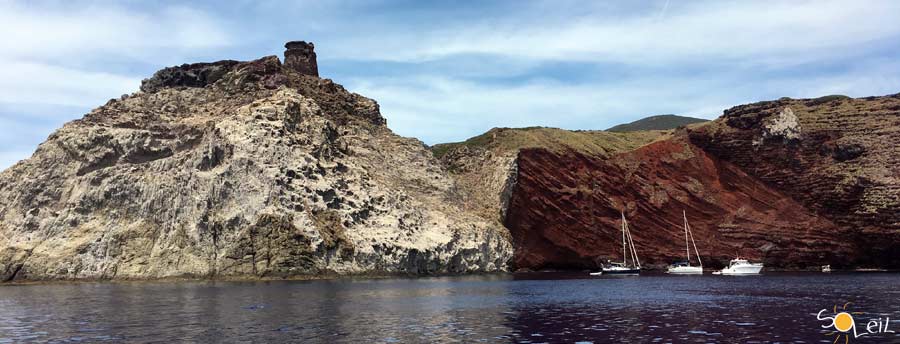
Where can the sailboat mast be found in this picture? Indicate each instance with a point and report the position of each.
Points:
(687, 246)
(695, 245)
(634, 256)
(624, 257)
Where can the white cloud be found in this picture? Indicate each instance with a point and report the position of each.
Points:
(756, 32)
(439, 109)
(81, 32)
(79, 55)
(484, 68)
(59, 55)
(38, 83)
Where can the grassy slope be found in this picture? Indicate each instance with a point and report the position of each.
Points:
(588, 141)
(661, 122)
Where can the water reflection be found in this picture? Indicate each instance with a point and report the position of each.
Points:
(523, 308)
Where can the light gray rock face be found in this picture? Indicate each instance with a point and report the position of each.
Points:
(261, 172)
(784, 125)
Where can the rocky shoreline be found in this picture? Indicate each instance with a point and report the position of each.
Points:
(264, 170)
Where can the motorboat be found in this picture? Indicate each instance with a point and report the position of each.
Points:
(740, 266)
(685, 267)
(826, 268)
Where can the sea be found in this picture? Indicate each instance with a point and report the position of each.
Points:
(541, 307)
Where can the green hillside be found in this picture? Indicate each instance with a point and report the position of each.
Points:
(661, 122)
(586, 141)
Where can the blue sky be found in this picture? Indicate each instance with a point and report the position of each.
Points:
(447, 71)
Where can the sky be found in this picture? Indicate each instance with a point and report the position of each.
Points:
(447, 71)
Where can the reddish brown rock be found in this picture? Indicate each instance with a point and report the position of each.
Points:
(565, 210)
(838, 156)
(793, 183)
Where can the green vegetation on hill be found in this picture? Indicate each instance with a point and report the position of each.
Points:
(661, 122)
(586, 141)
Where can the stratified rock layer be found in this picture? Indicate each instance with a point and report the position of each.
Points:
(838, 156)
(792, 183)
(565, 211)
(244, 169)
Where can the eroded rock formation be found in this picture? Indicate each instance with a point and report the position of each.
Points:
(838, 156)
(792, 183)
(566, 208)
(243, 169)
(263, 169)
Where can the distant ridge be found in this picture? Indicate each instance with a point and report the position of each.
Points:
(661, 122)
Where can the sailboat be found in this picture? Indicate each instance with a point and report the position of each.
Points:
(616, 268)
(685, 267)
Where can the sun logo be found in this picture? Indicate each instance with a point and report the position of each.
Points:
(844, 324)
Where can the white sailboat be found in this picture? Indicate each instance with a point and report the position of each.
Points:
(685, 267)
(628, 250)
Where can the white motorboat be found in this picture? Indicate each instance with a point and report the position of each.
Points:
(826, 268)
(739, 266)
(685, 267)
(628, 250)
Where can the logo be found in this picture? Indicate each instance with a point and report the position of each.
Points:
(844, 324)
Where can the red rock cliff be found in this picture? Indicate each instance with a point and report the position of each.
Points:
(839, 157)
(564, 212)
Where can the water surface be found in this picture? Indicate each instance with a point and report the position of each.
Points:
(520, 308)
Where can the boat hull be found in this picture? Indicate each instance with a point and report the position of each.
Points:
(685, 270)
(622, 271)
(742, 270)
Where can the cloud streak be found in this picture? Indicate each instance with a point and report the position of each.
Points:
(440, 109)
(443, 72)
(750, 32)
(71, 57)
(76, 32)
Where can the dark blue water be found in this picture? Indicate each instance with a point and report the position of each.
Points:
(530, 308)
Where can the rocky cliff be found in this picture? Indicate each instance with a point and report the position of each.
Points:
(263, 169)
(485, 167)
(792, 183)
(237, 169)
(839, 157)
(565, 211)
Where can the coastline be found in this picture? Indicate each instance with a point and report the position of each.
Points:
(379, 276)
(319, 277)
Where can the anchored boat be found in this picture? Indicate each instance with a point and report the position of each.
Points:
(685, 267)
(628, 250)
(739, 266)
